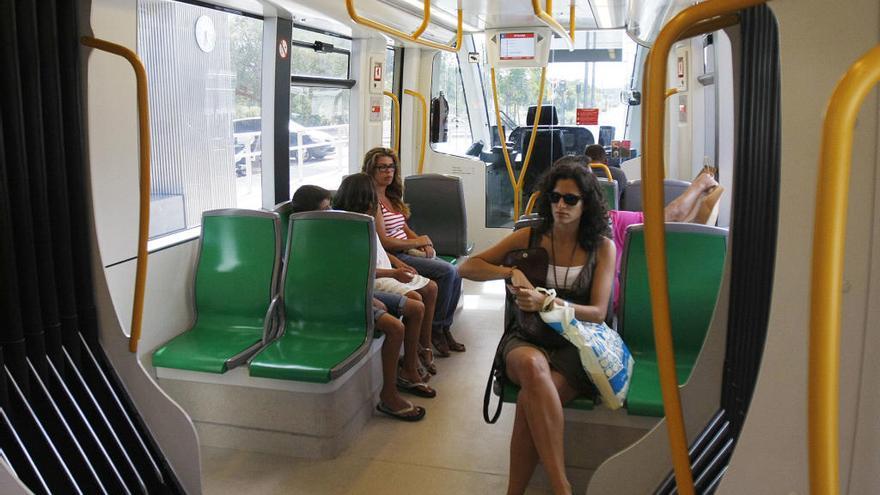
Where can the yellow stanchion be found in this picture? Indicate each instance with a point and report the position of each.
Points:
(604, 168)
(545, 17)
(395, 120)
(531, 204)
(705, 15)
(515, 182)
(829, 235)
(140, 279)
(421, 98)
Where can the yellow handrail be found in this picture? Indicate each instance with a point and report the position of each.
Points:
(829, 236)
(390, 31)
(604, 168)
(140, 280)
(424, 103)
(515, 182)
(395, 120)
(552, 23)
(531, 204)
(652, 176)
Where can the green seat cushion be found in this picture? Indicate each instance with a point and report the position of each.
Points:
(609, 191)
(644, 397)
(511, 392)
(209, 344)
(307, 352)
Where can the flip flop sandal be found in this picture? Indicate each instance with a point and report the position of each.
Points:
(440, 344)
(403, 414)
(420, 389)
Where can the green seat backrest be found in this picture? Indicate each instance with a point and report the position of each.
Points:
(695, 262)
(330, 267)
(327, 296)
(237, 262)
(609, 190)
(236, 279)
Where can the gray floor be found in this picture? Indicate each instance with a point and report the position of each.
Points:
(451, 451)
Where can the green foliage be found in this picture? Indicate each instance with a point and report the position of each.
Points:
(246, 40)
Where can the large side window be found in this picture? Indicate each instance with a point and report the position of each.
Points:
(319, 108)
(449, 107)
(204, 75)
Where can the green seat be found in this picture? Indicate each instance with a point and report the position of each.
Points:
(511, 392)
(235, 281)
(609, 190)
(695, 261)
(327, 298)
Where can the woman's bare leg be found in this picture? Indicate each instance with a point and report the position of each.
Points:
(412, 319)
(540, 402)
(429, 299)
(394, 331)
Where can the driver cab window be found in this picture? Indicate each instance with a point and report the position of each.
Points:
(449, 123)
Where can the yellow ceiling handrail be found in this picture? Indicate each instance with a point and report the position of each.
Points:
(552, 23)
(424, 104)
(395, 120)
(140, 280)
(685, 22)
(414, 37)
(517, 183)
(829, 236)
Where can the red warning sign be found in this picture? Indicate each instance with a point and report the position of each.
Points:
(587, 116)
(377, 71)
(282, 48)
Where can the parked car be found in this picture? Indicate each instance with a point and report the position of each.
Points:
(247, 132)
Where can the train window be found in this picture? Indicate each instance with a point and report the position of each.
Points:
(454, 135)
(204, 74)
(319, 108)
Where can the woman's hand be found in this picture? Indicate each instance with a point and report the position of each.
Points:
(404, 274)
(429, 251)
(529, 300)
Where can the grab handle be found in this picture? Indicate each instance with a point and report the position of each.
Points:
(140, 279)
(701, 18)
(414, 37)
(424, 105)
(395, 120)
(829, 235)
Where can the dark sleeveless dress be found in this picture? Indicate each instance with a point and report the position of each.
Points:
(564, 360)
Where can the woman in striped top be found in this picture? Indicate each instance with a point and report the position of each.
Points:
(383, 166)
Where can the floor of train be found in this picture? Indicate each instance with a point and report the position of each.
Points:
(451, 451)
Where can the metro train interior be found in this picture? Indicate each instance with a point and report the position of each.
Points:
(173, 323)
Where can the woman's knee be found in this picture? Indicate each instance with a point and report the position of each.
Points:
(390, 326)
(528, 368)
(413, 309)
(414, 296)
(429, 291)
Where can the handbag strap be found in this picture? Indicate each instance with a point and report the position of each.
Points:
(487, 396)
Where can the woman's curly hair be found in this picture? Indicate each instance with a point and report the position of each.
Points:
(394, 191)
(594, 220)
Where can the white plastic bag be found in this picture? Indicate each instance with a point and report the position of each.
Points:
(604, 355)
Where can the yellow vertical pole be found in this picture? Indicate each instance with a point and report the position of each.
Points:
(140, 280)
(829, 236)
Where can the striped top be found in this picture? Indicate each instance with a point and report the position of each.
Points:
(394, 223)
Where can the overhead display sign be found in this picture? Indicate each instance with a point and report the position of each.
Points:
(517, 46)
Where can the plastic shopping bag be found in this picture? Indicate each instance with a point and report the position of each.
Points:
(604, 355)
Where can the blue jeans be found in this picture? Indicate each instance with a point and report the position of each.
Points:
(448, 285)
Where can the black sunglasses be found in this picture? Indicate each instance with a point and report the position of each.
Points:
(570, 199)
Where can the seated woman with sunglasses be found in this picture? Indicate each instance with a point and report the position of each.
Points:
(383, 167)
(574, 233)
